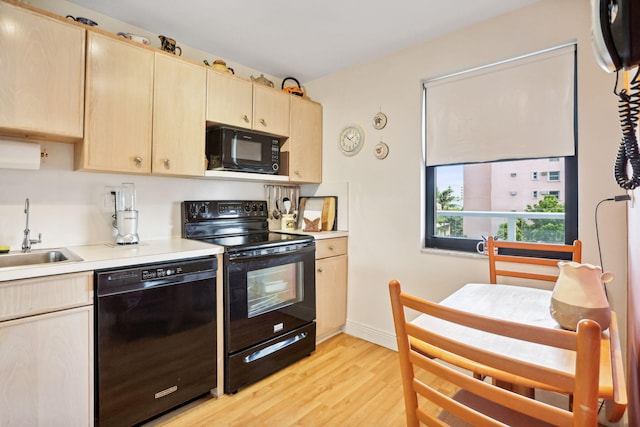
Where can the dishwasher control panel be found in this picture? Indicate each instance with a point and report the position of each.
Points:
(157, 273)
(142, 276)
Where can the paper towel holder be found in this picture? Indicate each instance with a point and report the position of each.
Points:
(15, 154)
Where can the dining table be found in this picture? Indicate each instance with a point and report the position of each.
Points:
(530, 306)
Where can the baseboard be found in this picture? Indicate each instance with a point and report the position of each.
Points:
(375, 336)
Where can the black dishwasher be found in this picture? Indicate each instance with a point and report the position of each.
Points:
(155, 337)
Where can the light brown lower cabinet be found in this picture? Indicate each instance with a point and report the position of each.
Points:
(331, 287)
(46, 358)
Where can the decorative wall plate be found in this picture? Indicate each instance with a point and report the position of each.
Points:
(379, 120)
(381, 150)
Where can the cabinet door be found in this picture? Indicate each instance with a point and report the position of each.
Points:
(331, 295)
(229, 100)
(178, 117)
(271, 110)
(46, 367)
(118, 110)
(305, 141)
(42, 75)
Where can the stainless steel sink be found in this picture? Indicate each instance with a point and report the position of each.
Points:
(45, 256)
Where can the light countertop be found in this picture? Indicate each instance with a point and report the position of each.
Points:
(318, 235)
(100, 256)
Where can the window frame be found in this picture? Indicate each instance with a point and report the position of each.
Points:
(570, 187)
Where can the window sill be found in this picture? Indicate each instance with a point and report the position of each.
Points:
(449, 252)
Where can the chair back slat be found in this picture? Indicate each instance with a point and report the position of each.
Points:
(523, 266)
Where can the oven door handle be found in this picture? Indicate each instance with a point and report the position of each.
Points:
(274, 347)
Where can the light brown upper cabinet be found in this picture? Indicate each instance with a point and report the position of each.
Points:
(305, 141)
(240, 103)
(118, 107)
(229, 100)
(41, 75)
(179, 117)
(271, 110)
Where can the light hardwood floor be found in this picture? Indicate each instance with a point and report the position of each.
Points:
(346, 382)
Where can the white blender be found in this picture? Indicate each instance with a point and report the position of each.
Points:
(126, 215)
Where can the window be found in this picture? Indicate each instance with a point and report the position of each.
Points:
(553, 176)
(467, 196)
(489, 207)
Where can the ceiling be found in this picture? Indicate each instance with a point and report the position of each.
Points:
(303, 39)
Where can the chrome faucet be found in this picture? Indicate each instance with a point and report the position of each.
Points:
(27, 241)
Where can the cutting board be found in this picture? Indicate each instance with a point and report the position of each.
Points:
(313, 208)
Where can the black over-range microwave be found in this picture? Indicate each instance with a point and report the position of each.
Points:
(237, 150)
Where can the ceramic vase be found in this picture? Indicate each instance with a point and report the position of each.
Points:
(579, 294)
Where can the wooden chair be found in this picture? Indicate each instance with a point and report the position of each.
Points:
(526, 261)
(481, 403)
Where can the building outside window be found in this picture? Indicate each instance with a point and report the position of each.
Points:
(467, 196)
(553, 176)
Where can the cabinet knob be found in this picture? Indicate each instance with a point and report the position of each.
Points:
(263, 122)
(319, 269)
(138, 160)
(245, 118)
(331, 248)
(167, 163)
(297, 173)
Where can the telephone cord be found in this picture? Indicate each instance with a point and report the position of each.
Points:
(629, 106)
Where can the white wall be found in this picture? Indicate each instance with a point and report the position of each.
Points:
(386, 197)
(68, 207)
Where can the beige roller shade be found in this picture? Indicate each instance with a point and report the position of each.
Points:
(516, 109)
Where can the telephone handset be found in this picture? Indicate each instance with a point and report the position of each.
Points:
(602, 12)
(615, 30)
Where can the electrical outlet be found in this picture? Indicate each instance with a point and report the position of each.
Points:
(109, 199)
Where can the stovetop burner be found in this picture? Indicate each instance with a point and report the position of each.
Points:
(233, 224)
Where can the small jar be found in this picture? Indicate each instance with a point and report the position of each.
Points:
(288, 222)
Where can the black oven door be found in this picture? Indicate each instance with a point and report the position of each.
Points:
(268, 295)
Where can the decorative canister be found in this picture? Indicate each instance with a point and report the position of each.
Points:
(288, 222)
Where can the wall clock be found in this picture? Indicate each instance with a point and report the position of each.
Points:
(351, 140)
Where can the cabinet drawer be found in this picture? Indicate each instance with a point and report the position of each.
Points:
(331, 247)
(19, 298)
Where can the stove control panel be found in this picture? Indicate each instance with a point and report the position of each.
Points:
(217, 209)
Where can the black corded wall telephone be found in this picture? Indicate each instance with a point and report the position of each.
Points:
(615, 30)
